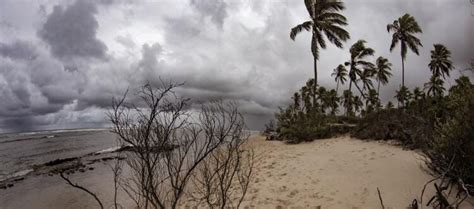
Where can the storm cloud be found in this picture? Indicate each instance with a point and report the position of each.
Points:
(62, 62)
(71, 31)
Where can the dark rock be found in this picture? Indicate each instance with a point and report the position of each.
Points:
(272, 136)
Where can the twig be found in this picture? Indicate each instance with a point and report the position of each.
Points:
(81, 188)
(380, 198)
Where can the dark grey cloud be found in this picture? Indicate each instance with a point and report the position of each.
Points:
(18, 50)
(214, 9)
(71, 31)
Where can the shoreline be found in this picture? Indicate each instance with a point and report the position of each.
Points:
(339, 172)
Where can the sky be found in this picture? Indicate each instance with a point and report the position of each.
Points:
(62, 62)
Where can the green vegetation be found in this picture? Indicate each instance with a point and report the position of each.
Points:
(439, 123)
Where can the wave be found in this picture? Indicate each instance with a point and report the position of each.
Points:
(108, 150)
(16, 174)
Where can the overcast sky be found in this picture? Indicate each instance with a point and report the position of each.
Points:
(61, 62)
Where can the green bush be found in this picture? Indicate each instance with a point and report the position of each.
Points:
(397, 124)
(452, 147)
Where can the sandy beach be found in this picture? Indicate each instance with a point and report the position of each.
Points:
(332, 173)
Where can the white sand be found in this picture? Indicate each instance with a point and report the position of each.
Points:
(336, 173)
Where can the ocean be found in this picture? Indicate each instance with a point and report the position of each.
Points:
(21, 152)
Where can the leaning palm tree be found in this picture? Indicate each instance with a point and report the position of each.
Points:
(325, 19)
(382, 71)
(404, 30)
(440, 63)
(435, 86)
(339, 74)
(357, 63)
(365, 78)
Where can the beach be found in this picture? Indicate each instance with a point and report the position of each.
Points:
(339, 172)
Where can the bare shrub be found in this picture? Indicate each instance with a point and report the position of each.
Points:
(171, 146)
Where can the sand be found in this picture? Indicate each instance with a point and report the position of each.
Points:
(336, 173)
(331, 173)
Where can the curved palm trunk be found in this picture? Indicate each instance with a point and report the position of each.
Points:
(361, 92)
(337, 86)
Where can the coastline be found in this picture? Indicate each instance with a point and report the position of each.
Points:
(339, 172)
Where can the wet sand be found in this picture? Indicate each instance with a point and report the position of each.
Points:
(331, 173)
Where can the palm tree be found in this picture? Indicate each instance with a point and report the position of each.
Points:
(358, 103)
(404, 30)
(418, 94)
(372, 102)
(357, 63)
(435, 86)
(348, 102)
(382, 71)
(403, 95)
(339, 74)
(440, 63)
(333, 101)
(324, 19)
(389, 105)
(365, 79)
(322, 96)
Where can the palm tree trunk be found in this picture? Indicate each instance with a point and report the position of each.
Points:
(403, 72)
(378, 88)
(314, 51)
(350, 84)
(337, 86)
(361, 92)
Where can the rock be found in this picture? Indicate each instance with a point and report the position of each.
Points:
(272, 136)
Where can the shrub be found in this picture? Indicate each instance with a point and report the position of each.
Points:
(452, 148)
(411, 130)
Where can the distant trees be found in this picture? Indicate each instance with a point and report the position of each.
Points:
(325, 20)
(434, 87)
(382, 71)
(358, 64)
(339, 73)
(404, 30)
(440, 64)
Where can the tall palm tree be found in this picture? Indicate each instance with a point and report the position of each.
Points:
(339, 74)
(357, 63)
(382, 71)
(440, 63)
(435, 86)
(404, 30)
(325, 19)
